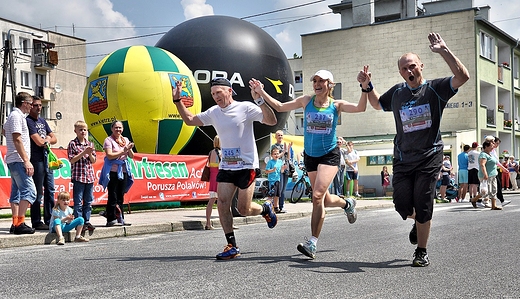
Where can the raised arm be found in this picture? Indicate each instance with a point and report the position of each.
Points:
(258, 87)
(345, 106)
(460, 73)
(367, 88)
(269, 118)
(186, 115)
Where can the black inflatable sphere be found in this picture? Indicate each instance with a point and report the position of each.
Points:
(221, 46)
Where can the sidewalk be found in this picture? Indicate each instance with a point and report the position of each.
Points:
(160, 221)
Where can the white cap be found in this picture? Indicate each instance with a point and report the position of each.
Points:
(324, 74)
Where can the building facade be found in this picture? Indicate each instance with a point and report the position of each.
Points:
(47, 64)
(378, 33)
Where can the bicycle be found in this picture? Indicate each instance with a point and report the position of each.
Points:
(301, 187)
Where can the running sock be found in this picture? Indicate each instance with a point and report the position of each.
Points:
(265, 210)
(230, 238)
(346, 204)
(313, 239)
(15, 220)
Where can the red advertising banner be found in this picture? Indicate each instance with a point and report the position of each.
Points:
(156, 178)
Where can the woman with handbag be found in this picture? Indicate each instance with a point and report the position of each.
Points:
(212, 163)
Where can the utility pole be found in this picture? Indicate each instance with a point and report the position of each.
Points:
(9, 60)
(4, 86)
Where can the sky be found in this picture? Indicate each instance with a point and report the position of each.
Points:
(115, 24)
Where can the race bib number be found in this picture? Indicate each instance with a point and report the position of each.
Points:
(319, 123)
(232, 158)
(416, 118)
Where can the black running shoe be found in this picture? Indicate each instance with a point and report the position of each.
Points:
(413, 235)
(420, 258)
(23, 229)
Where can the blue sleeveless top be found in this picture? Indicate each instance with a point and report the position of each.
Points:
(320, 128)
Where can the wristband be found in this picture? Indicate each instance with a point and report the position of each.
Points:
(259, 101)
(369, 88)
(176, 101)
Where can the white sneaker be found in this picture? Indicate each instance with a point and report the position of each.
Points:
(505, 203)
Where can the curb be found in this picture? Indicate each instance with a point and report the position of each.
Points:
(42, 238)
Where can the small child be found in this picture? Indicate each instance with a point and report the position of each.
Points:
(274, 168)
(63, 221)
(82, 155)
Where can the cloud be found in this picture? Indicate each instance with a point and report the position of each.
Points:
(288, 35)
(90, 20)
(196, 8)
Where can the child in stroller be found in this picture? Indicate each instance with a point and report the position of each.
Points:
(452, 191)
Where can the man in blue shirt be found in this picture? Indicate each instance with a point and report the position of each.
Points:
(41, 135)
(462, 160)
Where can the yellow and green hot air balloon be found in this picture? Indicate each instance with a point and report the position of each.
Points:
(134, 85)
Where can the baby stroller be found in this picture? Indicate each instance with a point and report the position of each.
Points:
(452, 190)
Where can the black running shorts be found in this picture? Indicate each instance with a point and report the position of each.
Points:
(241, 178)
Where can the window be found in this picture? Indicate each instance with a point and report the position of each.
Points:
(4, 38)
(379, 160)
(24, 45)
(336, 92)
(40, 80)
(45, 111)
(487, 46)
(24, 79)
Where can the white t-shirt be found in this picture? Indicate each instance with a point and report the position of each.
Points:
(234, 126)
(353, 155)
(16, 124)
(473, 159)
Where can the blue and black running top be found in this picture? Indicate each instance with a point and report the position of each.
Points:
(320, 128)
(417, 113)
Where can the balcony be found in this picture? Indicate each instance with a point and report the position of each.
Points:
(508, 124)
(45, 93)
(490, 117)
(47, 60)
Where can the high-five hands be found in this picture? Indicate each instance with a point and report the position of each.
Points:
(364, 76)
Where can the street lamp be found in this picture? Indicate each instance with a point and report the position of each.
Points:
(9, 60)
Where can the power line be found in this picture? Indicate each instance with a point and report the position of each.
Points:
(304, 18)
(279, 10)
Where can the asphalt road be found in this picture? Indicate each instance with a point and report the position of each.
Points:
(473, 254)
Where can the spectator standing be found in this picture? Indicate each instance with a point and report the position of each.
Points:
(352, 168)
(214, 157)
(385, 179)
(274, 168)
(41, 136)
(487, 174)
(462, 161)
(115, 174)
(473, 166)
(339, 179)
(512, 166)
(500, 168)
(505, 175)
(82, 155)
(417, 106)
(446, 169)
(18, 159)
(285, 155)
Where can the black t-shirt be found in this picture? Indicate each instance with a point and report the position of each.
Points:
(417, 114)
(41, 127)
